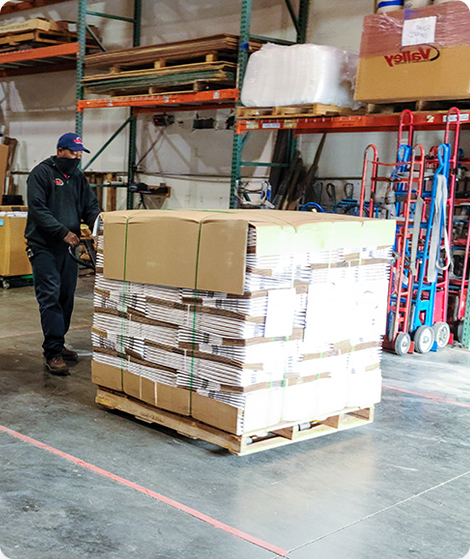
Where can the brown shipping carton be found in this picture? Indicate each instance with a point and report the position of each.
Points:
(13, 258)
(438, 69)
(169, 398)
(4, 152)
(207, 249)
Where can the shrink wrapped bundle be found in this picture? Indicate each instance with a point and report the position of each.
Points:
(291, 75)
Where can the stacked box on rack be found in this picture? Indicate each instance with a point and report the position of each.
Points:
(409, 55)
(13, 258)
(244, 320)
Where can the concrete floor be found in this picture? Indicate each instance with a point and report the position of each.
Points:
(395, 489)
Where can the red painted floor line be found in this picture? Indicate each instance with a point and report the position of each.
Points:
(428, 396)
(149, 493)
(40, 331)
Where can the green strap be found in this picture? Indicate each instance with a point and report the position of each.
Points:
(124, 295)
(194, 319)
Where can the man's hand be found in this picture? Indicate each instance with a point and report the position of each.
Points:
(72, 239)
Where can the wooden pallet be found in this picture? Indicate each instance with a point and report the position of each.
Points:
(190, 86)
(293, 111)
(281, 435)
(204, 49)
(421, 105)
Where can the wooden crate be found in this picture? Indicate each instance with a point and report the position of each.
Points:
(280, 435)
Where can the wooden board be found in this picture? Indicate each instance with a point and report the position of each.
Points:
(40, 37)
(294, 111)
(280, 435)
(161, 71)
(171, 84)
(220, 45)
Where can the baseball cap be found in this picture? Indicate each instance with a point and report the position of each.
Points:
(72, 142)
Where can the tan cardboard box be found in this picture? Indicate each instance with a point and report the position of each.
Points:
(169, 398)
(207, 249)
(389, 71)
(380, 81)
(4, 153)
(13, 258)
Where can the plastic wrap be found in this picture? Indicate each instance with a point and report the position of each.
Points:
(382, 33)
(279, 76)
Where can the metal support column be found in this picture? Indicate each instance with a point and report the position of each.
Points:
(300, 22)
(131, 167)
(81, 37)
(466, 323)
(131, 160)
(243, 51)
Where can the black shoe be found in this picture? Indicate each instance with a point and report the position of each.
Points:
(57, 366)
(69, 355)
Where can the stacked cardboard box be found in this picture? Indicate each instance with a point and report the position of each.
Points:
(243, 320)
(13, 258)
(408, 55)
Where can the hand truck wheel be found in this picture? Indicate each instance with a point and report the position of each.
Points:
(458, 331)
(6, 284)
(441, 334)
(424, 339)
(402, 343)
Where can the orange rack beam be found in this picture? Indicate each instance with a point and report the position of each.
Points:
(40, 53)
(430, 120)
(212, 97)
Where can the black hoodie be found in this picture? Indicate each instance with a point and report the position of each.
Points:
(56, 205)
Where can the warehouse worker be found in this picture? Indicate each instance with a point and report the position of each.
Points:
(59, 197)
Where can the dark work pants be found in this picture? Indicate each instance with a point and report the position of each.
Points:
(55, 278)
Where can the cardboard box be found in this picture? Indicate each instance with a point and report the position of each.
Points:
(163, 396)
(433, 80)
(437, 68)
(13, 258)
(207, 249)
(4, 155)
(263, 409)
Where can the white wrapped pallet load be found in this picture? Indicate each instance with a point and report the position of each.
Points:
(299, 74)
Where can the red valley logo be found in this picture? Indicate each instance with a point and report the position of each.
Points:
(59, 182)
(78, 141)
(421, 54)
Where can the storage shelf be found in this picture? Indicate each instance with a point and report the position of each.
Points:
(426, 120)
(43, 59)
(176, 101)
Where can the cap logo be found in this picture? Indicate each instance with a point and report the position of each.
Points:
(59, 182)
(78, 141)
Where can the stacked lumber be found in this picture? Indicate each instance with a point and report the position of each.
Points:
(38, 32)
(197, 64)
(299, 342)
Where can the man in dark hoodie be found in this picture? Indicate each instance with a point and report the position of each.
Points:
(59, 198)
